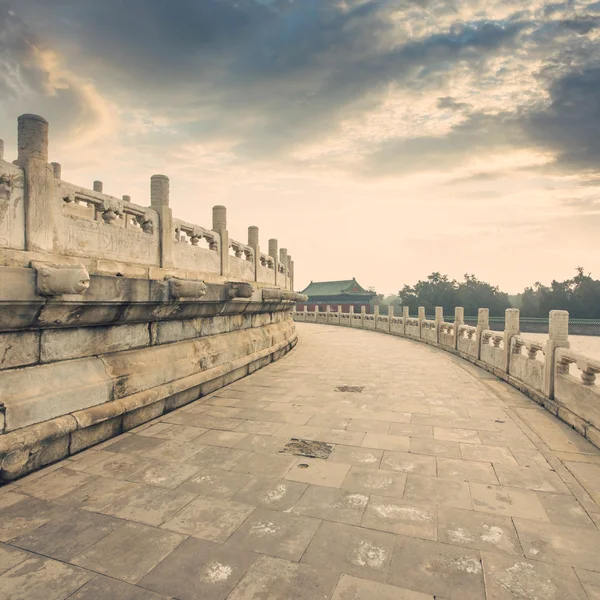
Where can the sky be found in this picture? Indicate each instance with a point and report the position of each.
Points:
(381, 140)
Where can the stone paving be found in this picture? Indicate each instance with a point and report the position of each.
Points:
(441, 482)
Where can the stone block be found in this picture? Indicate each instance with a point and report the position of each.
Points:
(64, 344)
(90, 436)
(40, 393)
(19, 349)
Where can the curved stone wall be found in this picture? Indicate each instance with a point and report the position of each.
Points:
(113, 313)
(560, 380)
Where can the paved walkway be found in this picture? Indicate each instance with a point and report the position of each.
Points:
(440, 482)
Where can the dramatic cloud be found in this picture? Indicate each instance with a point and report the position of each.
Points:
(317, 117)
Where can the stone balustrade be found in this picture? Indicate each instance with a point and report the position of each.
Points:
(113, 313)
(42, 214)
(560, 380)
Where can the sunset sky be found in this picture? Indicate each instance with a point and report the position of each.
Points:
(377, 139)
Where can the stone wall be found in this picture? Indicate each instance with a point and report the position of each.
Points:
(561, 381)
(112, 313)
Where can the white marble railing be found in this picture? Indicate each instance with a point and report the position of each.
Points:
(48, 217)
(562, 381)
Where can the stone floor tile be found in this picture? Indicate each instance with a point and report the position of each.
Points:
(407, 462)
(330, 421)
(40, 577)
(410, 430)
(199, 569)
(105, 588)
(129, 552)
(434, 490)
(341, 436)
(11, 557)
(590, 581)
(466, 470)
(564, 510)
(210, 518)
(228, 439)
(278, 579)
(588, 476)
(167, 475)
(216, 483)
(265, 444)
(203, 420)
(368, 425)
(84, 460)
(360, 457)
(477, 530)
(223, 411)
(435, 447)
(130, 443)
(331, 504)
(355, 588)
(356, 551)
(182, 433)
(25, 515)
(531, 458)
(276, 534)
(509, 438)
(531, 478)
(415, 519)
(176, 450)
(97, 495)
(593, 459)
(438, 569)
(218, 457)
(315, 471)
(276, 494)
(148, 505)
(386, 442)
(511, 577)
(411, 406)
(288, 417)
(574, 546)
(500, 500)
(456, 435)
(483, 453)
(488, 413)
(367, 481)
(258, 427)
(119, 466)
(54, 484)
(275, 465)
(68, 535)
(152, 430)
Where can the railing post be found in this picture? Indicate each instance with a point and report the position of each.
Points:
(511, 328)
(292, 275)
(459, 319)
(56, 170)
(483, 322)
(558, 332)
(439, 319)
(98, 186)
(40, 204)
(421, 318)
(253, 243)
(273, 253)
(390, 317)
(327, 314)
(405, 316)
(363, 311)
(289, 273)
(220, 226)
(283, 263)
(159, 201)
(351, 313)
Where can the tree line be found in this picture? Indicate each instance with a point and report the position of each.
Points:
(579, 295)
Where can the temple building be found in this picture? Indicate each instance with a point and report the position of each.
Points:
(345, 293)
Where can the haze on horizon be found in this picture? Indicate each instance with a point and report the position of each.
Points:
(381, 140)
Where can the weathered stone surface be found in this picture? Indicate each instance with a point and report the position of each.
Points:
(35, 394)
(19, 349)
(78, 343)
